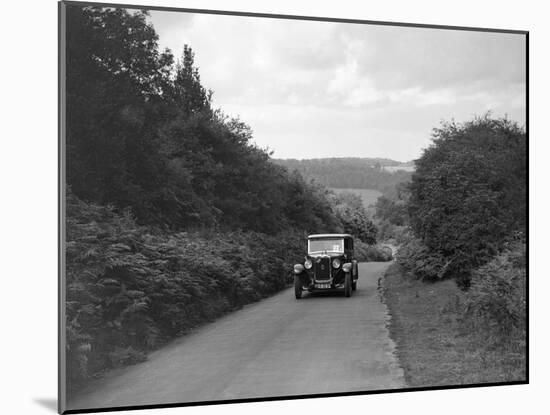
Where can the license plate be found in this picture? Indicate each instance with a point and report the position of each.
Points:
(322, 285)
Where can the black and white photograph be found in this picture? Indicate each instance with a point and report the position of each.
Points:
(259, 207)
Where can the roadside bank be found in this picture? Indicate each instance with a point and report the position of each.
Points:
(433, 344)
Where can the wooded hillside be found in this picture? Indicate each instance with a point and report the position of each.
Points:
(349, 172)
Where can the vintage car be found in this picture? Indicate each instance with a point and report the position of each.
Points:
(329, 265)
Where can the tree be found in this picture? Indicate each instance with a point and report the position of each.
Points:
(468, 194)
(115, 78)
(392, 206)
(142, 134)
(187, 92)
(351, 212)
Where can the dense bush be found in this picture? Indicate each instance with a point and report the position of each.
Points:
(352, 214)
(131, 288)
(372, 253)
(391, 213)
(393, 205)
(497, 296)
(415, 257)
(467, 197)
(354, 219)
(391, 234)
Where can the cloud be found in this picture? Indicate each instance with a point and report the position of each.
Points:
(305, 86)
(435, 57)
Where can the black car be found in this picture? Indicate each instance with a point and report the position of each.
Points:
(329, 265)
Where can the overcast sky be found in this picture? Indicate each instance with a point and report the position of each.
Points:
(321, 89)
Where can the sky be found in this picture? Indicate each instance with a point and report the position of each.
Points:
(323, 89)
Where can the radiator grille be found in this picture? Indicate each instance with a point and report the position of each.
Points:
(322, 268)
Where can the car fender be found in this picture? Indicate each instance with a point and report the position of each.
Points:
(298, 269)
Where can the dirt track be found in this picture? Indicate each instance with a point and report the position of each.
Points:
(277, 347)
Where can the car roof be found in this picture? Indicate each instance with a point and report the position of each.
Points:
(329, 235)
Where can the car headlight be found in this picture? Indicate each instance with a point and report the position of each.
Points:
(336, 263)
(308, 264)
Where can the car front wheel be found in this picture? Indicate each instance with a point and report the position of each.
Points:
(297, 287)
(347, 285)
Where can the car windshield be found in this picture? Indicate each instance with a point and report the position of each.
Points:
(322, 245)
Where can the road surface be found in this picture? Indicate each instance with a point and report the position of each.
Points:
(280, 346)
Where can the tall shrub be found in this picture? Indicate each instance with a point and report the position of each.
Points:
(468, 194)
(497, 297)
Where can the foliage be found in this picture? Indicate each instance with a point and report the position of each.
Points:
(131, 288)
(351, 213)
(497, 296)
(391, 213)
(142, 133)
(392, 206)
(467, 197)
(371, 253)
(414, 256)
(359, 173)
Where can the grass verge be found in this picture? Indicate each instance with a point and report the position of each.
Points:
(435, 346)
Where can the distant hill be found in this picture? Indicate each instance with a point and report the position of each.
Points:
(358, 173)
(368, 196)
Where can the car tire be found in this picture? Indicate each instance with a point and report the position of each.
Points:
(347, 285)
(297, 287)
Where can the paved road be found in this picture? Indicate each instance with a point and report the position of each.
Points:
(277, 347)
